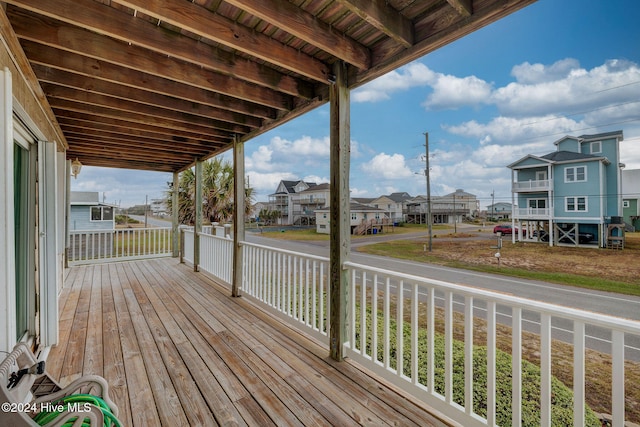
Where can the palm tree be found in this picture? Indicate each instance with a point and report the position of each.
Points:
(217, 193)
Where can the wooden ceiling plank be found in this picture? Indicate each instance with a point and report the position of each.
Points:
(463, 7)
(68, 79)
(132, 135)
(193, 18)
(124, 105)
(307, 27)
(75, 39)
(130, 127)
(383, 17)
(52, 59)
(78, 128)
(102, 161)
(135, 58)
(105, 145)
(100, 147)
(210, 25)
(170, 125)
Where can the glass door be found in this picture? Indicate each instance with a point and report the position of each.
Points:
(24, 208)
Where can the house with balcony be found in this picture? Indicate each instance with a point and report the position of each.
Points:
(499, 211)
(161, 87)
(306, 202)
(572, 195)
(448, 209)
(282, 199)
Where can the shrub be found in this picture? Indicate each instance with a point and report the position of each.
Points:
(562, 396)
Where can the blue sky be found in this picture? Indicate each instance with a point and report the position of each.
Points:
(555, 68)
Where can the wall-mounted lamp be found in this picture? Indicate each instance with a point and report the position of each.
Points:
(75, 168)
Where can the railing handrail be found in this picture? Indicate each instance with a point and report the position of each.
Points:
(284, 251)
(595, 319)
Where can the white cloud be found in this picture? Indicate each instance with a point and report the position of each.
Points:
(450, 92)
(527, 73)
(411, 75)
(387, 166)
(565, 89)
(510, 130)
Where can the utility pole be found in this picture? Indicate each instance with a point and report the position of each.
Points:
(146, 201)
(455, 215)
(493, 206)
(426, 174)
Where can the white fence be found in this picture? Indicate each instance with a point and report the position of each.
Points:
(293, 286)
(423, 335)
(120, 244)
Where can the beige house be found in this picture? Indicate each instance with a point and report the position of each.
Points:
(362, 216)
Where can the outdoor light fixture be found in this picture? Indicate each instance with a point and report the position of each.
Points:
(75, 168)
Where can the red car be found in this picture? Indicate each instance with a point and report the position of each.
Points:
(504, 229)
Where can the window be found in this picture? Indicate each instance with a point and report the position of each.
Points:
(575, 174)
(576, 204)
(625, 203)
(596, 147)
(101, 213)
(354, 216)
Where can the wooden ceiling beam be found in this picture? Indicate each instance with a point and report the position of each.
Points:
(132, 135)
(132, 127)
(135, 164)
(463, 7)
(107, 20)
(98, 146)
(53, 59)
(113, 135)
(212, 26)
(203, 79)
(295, 21)
(79, 40)
(169, 125)
(124, 105)
(383, 17)
(67, 79)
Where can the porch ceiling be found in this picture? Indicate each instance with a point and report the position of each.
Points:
(154, 84)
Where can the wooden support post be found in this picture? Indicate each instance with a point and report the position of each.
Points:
(339, 208)
(175, 234)
(197, 226)
(238, 215)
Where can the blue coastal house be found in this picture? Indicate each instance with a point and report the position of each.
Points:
(572, 195)
(87, 213)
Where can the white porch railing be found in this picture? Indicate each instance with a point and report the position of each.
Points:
(221, 264)
(532, 213)
(532, 185)
(411, 330)
(120, 244)
(293, 286)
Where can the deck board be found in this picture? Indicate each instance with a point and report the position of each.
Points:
(177, 350)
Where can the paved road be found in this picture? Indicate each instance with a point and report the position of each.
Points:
(152, 222)
(584, 299)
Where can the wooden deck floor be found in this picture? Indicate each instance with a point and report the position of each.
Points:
(177, 350)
